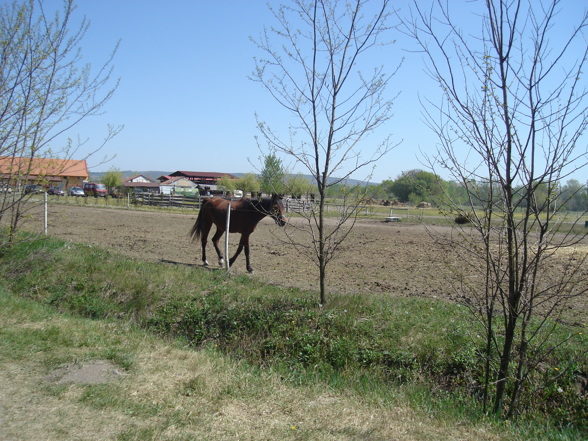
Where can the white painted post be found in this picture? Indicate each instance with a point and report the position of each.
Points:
(45, 213)
(227, 264)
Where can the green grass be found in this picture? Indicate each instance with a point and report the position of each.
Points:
(384, 350)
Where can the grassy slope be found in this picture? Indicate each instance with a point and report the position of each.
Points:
(173, 392)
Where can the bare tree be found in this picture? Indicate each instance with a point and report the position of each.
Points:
(45, 91)
(312, 69)
(510, 128)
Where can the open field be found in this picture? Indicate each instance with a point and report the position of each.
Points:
(400, 259)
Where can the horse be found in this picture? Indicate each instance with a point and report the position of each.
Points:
(245, 215)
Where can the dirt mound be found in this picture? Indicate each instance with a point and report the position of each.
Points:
(91, 372)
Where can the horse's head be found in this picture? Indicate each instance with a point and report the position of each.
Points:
(277, 210)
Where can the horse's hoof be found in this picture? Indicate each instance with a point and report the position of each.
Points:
(205, 263)
(250, 270)
(221, 262)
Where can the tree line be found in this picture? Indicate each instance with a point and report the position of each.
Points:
(418, 185)
(411, 187)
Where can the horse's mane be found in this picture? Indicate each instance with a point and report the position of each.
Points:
(263, 205)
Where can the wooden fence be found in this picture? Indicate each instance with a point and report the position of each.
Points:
(166, 200)
(144, 199)
(297, 205)
(306, 206)
(301, 206)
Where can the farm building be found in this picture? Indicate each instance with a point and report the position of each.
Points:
(49, 172)
(201, 178)
(177, 184)
(141, 183)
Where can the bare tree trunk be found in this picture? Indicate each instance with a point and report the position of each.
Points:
(512, 115)
(313, 72)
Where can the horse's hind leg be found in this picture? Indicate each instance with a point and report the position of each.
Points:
(204, 240)
(215, 239)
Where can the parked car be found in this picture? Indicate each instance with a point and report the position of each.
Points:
(76, 191)
(56, 191)
(6, 188)
(93, 189)
(34, 188)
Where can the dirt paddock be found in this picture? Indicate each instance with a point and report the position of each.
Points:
(396, 258)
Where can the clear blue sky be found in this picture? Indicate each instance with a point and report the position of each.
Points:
(185, 99)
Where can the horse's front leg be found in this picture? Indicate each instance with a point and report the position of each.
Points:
(243, 243)
(247, 258)
(215, 239)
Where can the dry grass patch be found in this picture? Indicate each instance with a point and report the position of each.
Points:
(173, 393)
(578, 251)
(29, 410)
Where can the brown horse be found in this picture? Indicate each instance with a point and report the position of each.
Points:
(245, 215)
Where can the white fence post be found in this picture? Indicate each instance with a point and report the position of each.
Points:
(227, 264)
(45, 213)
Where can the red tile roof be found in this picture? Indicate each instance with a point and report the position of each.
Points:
(43, 167)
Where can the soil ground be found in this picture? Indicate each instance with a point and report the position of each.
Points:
(395, 258)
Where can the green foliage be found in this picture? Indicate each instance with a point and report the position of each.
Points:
(248, 183)
(367, 344)
(113, 178)
(272, 175)
(227, 183)
(415, 186)
(455, 192)
(573, 196)
(298, 185)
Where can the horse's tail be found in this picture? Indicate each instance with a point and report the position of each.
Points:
(197, 228)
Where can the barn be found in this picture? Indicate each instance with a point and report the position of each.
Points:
(178, 184)
(49, 172)
(141, 183)
(202, 178)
